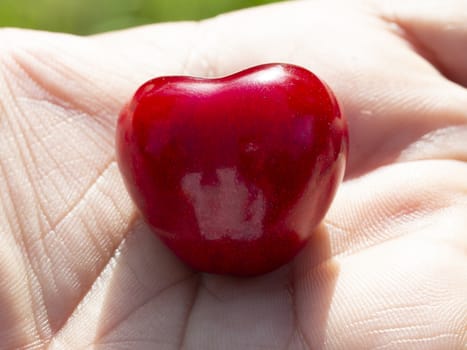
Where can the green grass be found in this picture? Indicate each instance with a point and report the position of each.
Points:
(93, 16)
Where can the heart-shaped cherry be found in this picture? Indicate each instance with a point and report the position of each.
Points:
(233, 174)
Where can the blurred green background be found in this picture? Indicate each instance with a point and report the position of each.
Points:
(92, 16)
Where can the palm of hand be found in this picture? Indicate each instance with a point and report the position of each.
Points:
(78, 267)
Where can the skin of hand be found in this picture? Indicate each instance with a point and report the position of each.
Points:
(387, 269)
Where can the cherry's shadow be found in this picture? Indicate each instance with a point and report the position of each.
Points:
(153, 301)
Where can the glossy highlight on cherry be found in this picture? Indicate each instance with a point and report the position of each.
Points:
(233, 174)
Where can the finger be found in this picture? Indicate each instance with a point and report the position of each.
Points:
(398, 200)
(406, 294)
(397, 236)
(438, 29)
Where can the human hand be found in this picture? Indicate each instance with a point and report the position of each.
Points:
(386, 270)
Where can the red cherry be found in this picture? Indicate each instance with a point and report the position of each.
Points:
(233, 174)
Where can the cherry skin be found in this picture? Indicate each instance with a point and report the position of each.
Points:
(234, 173)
